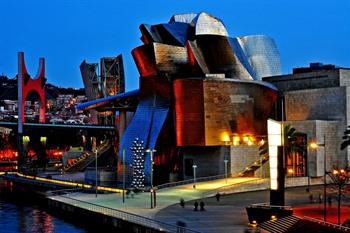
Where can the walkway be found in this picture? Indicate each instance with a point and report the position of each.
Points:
(227, 215)
(141, 202)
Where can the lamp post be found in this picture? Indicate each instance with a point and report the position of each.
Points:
(194, 175)
(315, 145)
(123, 175)
(151, 151)
(95, 172)
(226, 161)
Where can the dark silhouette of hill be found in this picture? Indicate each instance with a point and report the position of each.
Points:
(8, 90)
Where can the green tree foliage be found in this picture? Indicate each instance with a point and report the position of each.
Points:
(346, 139)
(290, 137)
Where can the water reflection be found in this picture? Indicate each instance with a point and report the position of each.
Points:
(22, 216)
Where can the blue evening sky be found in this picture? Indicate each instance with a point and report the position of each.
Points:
(66, 32)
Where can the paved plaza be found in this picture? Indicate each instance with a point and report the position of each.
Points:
(226, 215)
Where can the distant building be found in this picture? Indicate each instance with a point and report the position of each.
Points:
(316, 101)
(109, 82)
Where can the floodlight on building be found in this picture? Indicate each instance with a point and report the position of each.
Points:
(236, 140)
(225, 137)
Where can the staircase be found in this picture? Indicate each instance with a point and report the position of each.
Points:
(85, 160)
(251, 168)
(279, 225)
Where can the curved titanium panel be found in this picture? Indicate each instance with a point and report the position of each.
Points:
(148, 36)
(145, 60)
(262, 54)
(208, 25)
(146, 125)
(179, 31)
(189, 112)
(220, 58)
(183, 18)
(239, 53)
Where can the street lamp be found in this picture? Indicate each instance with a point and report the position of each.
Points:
(340, 178)
(194, 175)
(315, 145)
(151, 151)
(226, 161)
(95, 172)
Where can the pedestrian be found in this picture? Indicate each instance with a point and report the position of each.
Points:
(182, 203)
(195, 206)
(311, 198)
(201, 204)
(320, 198)
(217, 197)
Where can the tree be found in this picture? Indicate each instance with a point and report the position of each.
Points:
(292, 145)
(346, 139)
(138, 165)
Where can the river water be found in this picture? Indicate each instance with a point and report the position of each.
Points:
(25, 216)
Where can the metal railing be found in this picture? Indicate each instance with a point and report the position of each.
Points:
(119, 214)
(267, 205)
(245, 186)
(339, 227)
(189, 181)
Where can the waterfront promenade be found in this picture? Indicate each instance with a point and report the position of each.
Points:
(226, 215)
(168, 209)
(140, 203)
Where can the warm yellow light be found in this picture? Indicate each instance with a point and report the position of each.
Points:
(254, 223)
(245, 138)
(335, 172)
(262, 142)
(290, 171)
(313, 145)
(342, 171)
(236, 140)
(225, 137)
(273, 217)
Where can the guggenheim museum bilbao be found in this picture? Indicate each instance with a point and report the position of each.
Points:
(201, 101)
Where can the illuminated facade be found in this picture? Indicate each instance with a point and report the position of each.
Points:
(315, 101)
(201, 99)
(199, 90)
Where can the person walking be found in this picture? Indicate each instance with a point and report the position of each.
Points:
(201, 204)
(195, 206)
(217, 197)
(182, 203)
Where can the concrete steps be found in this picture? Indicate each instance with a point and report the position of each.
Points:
(251, 168)
(279, 225)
